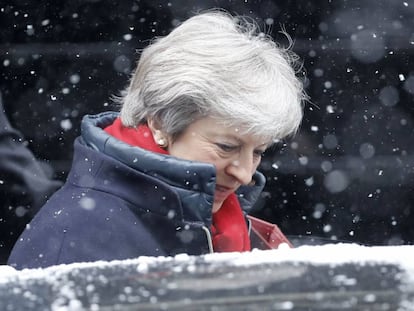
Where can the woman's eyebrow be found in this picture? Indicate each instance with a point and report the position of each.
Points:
(241, 141)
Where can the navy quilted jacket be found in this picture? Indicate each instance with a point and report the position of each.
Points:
(120, 202)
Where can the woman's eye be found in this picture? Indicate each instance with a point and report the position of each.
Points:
(226, 147)
(259, 153)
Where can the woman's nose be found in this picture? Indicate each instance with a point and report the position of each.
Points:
(242, 170)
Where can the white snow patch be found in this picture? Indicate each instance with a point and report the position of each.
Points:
(331, 254)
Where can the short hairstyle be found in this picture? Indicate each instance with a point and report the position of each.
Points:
(218, 65)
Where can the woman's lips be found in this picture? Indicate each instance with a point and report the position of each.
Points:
(222, 192)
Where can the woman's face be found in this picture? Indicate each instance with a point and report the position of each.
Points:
(235, 155)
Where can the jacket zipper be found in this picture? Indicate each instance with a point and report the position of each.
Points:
(209, 239)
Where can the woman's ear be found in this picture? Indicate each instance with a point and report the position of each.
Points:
(159, 137)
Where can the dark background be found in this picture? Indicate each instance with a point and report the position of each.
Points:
(347, 175)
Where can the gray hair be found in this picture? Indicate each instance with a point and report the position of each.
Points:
(218, 65)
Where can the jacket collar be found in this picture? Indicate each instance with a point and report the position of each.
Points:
(193, 181)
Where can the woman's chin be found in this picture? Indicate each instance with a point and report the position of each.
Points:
(216, 206)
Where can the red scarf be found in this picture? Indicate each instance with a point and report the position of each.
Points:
(229, 229)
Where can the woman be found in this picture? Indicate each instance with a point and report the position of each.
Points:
(174, 171)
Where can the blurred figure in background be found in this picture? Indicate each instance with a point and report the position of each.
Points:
(25, 185)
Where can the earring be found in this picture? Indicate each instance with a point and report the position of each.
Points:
(162, 143)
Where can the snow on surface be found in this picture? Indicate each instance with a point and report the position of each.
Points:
(331, 254)
(66, 294)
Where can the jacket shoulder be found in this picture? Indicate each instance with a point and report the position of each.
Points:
(75, 228)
